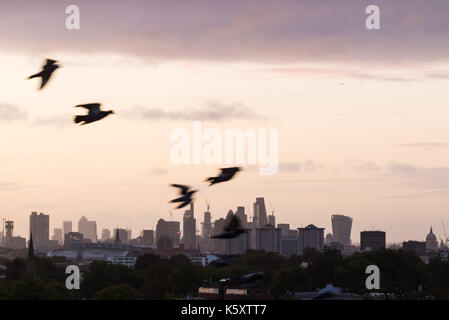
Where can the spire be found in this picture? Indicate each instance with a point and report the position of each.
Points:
(431, 229)
(117, 237)
(31, 265)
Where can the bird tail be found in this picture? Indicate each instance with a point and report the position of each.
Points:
(212, 180)
(79, 119)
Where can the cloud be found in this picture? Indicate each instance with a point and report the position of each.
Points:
(9, 186)
(245, 30)
(60, 120)
(297, 166)
(423, 145)
(11, 113)
(158, 171)
(400, 168)
(213, 111)
(363, 166)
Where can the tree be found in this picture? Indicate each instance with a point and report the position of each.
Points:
(118, 292)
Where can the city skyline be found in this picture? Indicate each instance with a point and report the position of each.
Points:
(361, 113)
(198, 223)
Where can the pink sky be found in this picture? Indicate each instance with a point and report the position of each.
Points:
(362, 115)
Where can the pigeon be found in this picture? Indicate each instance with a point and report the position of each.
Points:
(225, 175)
(224, 261)
(47, 71)
(232, 230)
(186, 197)
(94, 114)
(327, 292)
(252, 277)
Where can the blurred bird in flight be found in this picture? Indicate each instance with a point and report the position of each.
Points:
(95, 113)
(47, 70)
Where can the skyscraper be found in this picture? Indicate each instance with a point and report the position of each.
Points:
(162, 230)
(189, 228)
(39, 227)
(174, 232)
(88, 229)
(374, 240)
(240, 213)
(341, 229)
(268, 239)
(105, 235)
(311, 237)
(219, 244)
(147, 237)
(260, 213)
(66, 227)
(57, 235)
(272, 220)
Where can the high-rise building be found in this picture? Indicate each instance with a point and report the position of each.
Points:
(268, 239)
(39, 227)
(105, 235)
(431, 241)
(147, 237)
(122, 234)
(219, 245)
(285, 227)
(9, 241)
(66, 227)
(238, 245)
(311, 237)
(57, 235)
(189, 229)
(161, 229)
(341, 229)
(289, 245)
(240, 213)
(329, 239)
(374, 240)
(272, 220)
(174, 232)
(260, 213)
(419, 247)
(88, 229)
(206, 225)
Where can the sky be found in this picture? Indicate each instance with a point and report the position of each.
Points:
(361, 114)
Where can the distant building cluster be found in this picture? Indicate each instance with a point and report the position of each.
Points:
(118, 245)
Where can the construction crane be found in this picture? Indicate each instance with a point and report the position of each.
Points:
(445, 235)
(271, 207)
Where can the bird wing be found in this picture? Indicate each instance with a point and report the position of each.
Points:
(229, 170)
(92, 107)
(183, 188)
(45, 77)
(233, 224)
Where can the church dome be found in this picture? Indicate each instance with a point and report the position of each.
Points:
(431, 236)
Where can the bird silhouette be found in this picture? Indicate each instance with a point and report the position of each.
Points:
(94, 114)
(224, 261)
(232, 230)
(47, 70)
(226, 174)
(186, 195)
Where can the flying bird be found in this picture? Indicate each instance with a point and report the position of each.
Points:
(224, 261)
(232, 230)
(94, 114)
(225, 175)
(186, 195)
(47, 70)
(252, 277)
